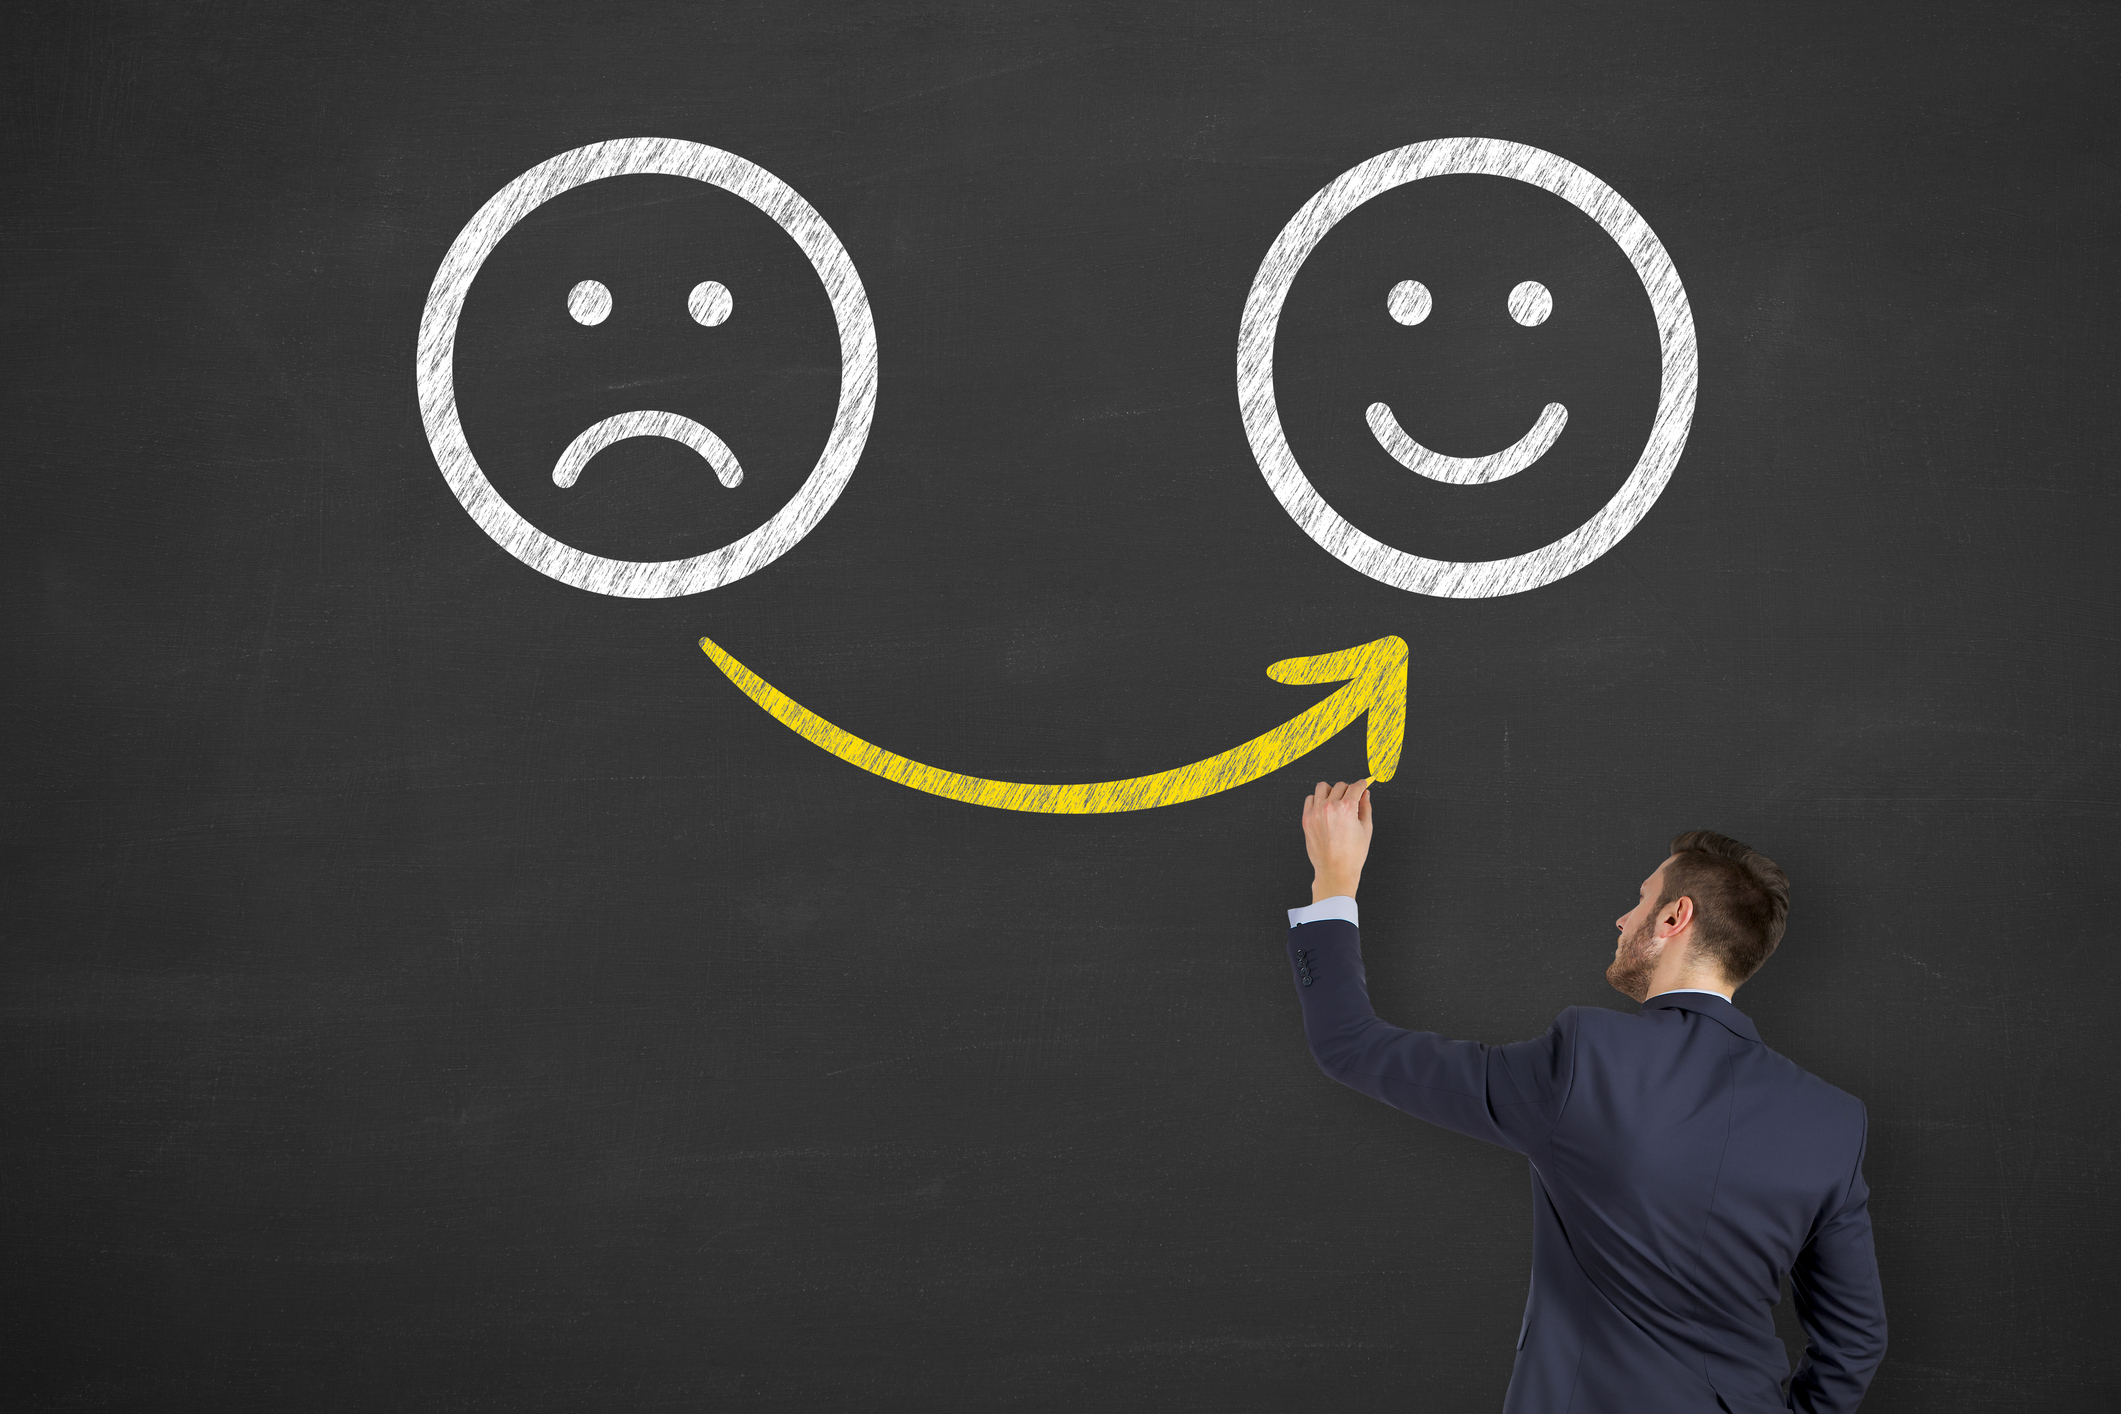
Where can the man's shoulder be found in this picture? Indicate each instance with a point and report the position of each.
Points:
(1594, 1020)
(1834, 1122)
(1641, 1054)
(1600, 1027)
(1623, 1027)
(1594, 1028)
(1823, 1093)
(1612, 1025)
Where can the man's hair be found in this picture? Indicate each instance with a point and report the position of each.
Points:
(1741, 899)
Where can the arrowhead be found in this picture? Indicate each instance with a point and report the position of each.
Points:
(1376, 673)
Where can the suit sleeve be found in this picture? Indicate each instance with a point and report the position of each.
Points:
(1840, 1304)
(1506, 1095)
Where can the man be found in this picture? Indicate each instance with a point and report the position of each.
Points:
(1680, 1168)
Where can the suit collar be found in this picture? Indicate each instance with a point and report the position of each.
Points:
(1705, 1004)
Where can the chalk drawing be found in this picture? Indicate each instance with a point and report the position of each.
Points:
(1466, 471)
(710, 303)
(1376, 678)
(647, 424)
(1409, 303)
(1531, 304)
(590, 303)
(1455, 578)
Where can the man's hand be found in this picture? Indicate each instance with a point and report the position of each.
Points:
(1337, 836)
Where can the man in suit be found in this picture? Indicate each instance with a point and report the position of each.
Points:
(1680, 1168)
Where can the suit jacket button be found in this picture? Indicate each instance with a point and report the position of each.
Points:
(1307, 981)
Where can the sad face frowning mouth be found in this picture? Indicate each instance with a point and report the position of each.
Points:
(1409, 303)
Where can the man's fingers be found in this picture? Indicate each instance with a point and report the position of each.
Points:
(1355, 794)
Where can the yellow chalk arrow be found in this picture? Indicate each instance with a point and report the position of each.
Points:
(1376, 677)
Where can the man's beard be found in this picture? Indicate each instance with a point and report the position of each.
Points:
(1630, 972)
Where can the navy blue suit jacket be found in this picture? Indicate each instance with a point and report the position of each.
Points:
(1679, 1169)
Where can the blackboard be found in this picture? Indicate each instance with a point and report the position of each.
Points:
(433, 985)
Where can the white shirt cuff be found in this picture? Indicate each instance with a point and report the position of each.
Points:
(1339, 906)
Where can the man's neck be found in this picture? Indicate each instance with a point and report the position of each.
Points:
(1690, 982)
(1712, 991)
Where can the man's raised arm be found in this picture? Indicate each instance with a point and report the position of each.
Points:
(1505, 1095)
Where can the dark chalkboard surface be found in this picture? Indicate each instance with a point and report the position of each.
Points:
(433, 986)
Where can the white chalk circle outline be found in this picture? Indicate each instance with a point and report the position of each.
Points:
(672, 157)
(1467, 579)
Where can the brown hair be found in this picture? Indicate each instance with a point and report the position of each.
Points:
(1741, 899)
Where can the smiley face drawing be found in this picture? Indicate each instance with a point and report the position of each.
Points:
(1530, 304)
(589, 303)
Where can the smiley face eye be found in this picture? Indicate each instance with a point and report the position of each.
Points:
(589, 302)
(1409, 302)
(1530, 304)
(710, 303)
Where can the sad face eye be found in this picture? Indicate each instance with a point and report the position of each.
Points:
(1530, 304)
(710, 303)
(589, 302)
(1409, 302)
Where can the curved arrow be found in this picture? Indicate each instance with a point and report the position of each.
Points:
(1376, 677)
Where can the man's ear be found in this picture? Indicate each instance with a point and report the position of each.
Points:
(1673, 918)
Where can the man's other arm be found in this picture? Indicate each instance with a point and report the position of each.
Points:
(1506, 1095)
(1841, 1305)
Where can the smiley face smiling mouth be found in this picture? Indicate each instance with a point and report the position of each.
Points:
(598, 436)
(1466, 471)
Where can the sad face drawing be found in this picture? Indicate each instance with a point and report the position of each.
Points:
(595, 311)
